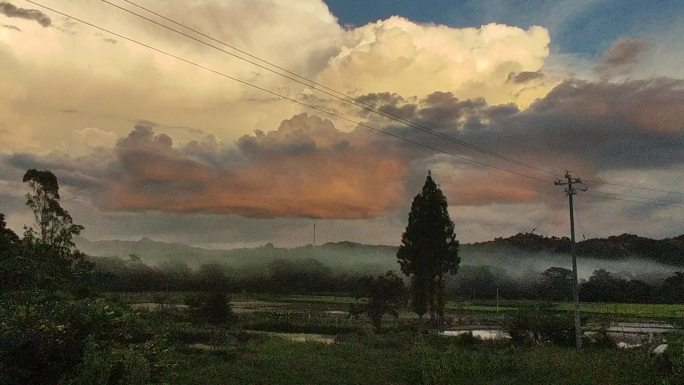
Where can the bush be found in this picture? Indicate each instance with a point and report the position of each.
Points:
(541, 327)
(40, 343)
(466, 339)
(214, 307)
(101, 366)
(139, 364)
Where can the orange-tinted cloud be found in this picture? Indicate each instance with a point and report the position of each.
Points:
(485, 187)
(306, 168)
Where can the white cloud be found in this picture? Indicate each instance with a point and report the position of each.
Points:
(398, 55)
(70, 66)
(89, 140)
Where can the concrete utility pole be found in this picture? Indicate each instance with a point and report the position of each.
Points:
(570, 191)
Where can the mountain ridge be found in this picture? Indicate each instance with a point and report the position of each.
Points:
(669, 251)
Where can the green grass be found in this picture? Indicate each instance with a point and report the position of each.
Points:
(664, 311)
(398, 355)
(331, 299)
(672, 311)
(404, 358)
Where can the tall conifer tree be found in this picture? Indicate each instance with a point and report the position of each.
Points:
(429, 250)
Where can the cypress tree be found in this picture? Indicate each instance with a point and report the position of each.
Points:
(429, 250)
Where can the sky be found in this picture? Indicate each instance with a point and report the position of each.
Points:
(152, 133)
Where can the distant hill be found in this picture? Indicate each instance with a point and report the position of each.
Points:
(668, 251)
(520, 252)
(350, 255)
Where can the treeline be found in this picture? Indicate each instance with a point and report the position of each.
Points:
(668, 251)
(309, 276)
(555, 284)
(297, 276)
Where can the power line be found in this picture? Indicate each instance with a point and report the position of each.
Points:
(313, 84)
(612, 196)
(641, 197)
(637, 187)
(243, 82)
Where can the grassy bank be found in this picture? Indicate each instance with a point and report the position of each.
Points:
(406, 358)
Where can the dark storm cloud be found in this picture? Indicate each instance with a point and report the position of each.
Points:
(11, 10)
(624, 51)
(524, 77)
(86, 174)
(634, 124)
(156, 125)
(391, 103)
(606, 126)
(583, 126)
(621, 56)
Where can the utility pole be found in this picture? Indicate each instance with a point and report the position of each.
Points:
(570, 191)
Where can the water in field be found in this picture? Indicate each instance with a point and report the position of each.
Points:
(640, 327)
(298, 337)
(158, 306)
(637, 333)
(483, 334)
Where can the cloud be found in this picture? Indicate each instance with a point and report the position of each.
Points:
(89, 140)
(305, 168)
(11, 10)
(11, 27)
(593, 128)
(309, 168)
(114, 85)
(621, 56)
(400, 56)
(309, 151)
(590, 125)
(524, 76)
(624, 51)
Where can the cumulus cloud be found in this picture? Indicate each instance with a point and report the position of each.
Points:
(11, 10)
(400, 56)
(114, 85)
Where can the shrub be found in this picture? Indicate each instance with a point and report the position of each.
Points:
(541, 327)
(139, 364)
(101, 366)
(466, 339)
(214, 307)
(40, 343)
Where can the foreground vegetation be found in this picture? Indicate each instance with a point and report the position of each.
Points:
(406, 358)
(112, 343)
